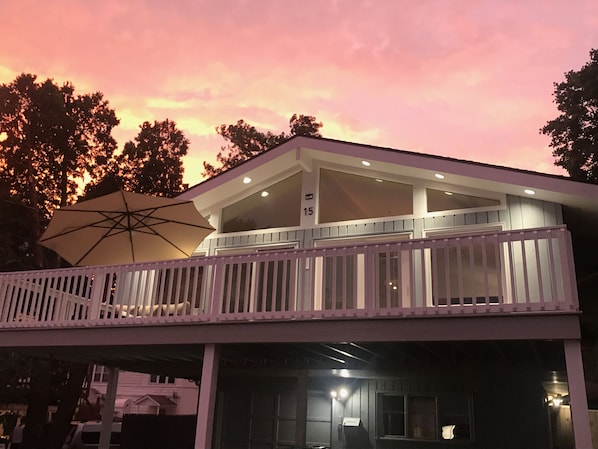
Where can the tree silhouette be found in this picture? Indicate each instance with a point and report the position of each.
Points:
(51, 141)
(574, 133)
(151, 164)
(246, 141)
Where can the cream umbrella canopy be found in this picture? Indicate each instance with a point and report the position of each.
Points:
(124, 227)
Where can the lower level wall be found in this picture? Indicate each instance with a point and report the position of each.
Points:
(506, 411)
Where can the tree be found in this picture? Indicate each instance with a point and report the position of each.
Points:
(151, 164)
(51, 141)
(574, 133)
(246, 141)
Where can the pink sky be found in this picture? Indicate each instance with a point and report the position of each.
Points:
(459, 78)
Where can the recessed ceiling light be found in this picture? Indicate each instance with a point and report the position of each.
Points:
(530, 191)
(246, 180)
(379, 180)
(366, 163)
(265, 194)
(439, 176)
(448, 193)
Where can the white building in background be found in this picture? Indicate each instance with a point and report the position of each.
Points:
(140, 393)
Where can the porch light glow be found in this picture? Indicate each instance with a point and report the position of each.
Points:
(555, 401)
(530, 191)
(333, 393)
(343, 393)
(366, 163)
(439, 176)
(246, 180)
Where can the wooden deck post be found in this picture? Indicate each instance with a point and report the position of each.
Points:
(580, 418)
(108, 409)
(207, 397)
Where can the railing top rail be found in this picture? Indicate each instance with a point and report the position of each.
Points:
(351, 247)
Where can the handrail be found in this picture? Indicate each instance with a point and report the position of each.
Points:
(527, 270)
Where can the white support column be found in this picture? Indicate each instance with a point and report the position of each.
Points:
(580, 418)
(108, 409)
(207, 397)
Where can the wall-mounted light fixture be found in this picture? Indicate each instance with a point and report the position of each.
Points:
(341, 393)
(554, 401)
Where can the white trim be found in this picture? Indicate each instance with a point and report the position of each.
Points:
(361, 263)
(252, 249)
(469, 230)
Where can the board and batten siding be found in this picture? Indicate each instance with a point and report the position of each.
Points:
(505, 412)
(519, 213)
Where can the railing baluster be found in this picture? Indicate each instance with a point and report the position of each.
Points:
(516, 271)
(539, 271)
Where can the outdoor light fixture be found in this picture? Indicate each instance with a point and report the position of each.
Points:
(264, 194)
(439, 176)
(246, 180)
(554, 401)
(340, 393)
(366, 163)
(530, 191)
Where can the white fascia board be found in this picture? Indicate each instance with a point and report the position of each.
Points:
(304, 152)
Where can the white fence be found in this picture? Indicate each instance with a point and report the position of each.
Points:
(500, 272)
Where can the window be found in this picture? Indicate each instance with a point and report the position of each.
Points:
(264, 286)
(158, 379)
(438, 200)
(100, 373)
(274, 207)
(345, 196)
(468, 270)
(422, 417)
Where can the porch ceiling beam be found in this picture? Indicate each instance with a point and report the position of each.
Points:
(346, 354)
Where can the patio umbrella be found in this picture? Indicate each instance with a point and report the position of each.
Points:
(124, 227)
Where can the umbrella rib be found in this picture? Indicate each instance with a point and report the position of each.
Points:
(128, 216)
(108, 224)
(95, 244)
(157, 234)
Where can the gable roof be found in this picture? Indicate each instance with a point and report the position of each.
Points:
(301, 152)
(154, 399)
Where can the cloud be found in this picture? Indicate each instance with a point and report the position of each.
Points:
(468, 78)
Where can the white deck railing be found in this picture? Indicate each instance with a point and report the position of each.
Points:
(500, 272)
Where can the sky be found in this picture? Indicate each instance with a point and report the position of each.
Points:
(470, 79)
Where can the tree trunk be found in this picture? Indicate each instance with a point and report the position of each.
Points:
(69, 399)
(37, 407)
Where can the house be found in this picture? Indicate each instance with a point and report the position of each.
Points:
(142, 393)
(351, 297)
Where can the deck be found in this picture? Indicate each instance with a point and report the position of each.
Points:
(497, 273)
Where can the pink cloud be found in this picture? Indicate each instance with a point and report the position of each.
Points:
(469, 79)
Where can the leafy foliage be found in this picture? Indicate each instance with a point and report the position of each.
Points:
(151, 164)
(246, 141)
(574, 133)
(51, 141)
